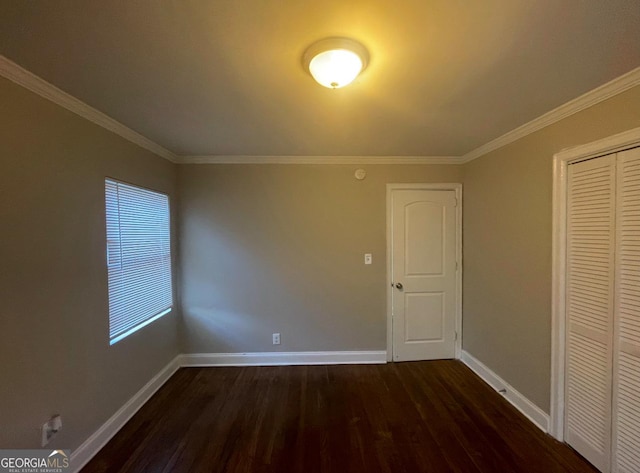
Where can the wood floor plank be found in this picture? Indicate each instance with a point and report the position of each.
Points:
(396, 418)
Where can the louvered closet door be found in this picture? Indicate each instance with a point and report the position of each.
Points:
(590, 294)
(626, 386)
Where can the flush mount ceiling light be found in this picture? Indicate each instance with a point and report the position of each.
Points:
(335, 62)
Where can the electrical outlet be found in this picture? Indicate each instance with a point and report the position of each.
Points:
(276, 339)
(50, 428)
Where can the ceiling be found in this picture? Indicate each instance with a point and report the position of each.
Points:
(224, 77)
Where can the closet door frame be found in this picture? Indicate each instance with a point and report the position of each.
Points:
(561, 161)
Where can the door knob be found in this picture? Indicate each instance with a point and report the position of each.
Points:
(399, 285)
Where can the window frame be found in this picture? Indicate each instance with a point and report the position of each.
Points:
(109, 263)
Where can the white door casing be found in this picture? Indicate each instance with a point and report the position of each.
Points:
(621, 403)
(561, 162)
(424, 248)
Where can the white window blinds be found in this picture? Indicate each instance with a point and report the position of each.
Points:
(138, 257)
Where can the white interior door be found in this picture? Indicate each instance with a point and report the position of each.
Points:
(590, 279)
(423, 272)
(626, 376)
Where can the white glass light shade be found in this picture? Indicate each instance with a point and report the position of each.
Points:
(335, 62)
(335, 68)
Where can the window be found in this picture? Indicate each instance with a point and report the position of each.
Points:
(138, 258)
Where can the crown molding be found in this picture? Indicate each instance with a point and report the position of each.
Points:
(12, 71)
(214, 159)
(30, 81)
(589, 99)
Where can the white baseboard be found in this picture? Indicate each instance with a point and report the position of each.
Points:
(524, 405)
(81, 456)
(284, 358)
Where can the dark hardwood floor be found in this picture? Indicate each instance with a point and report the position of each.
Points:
(401, 417)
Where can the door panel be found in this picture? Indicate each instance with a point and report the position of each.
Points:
(626, 377)
(590, 276)
(423, 245)
(424, 314)
(424, 249)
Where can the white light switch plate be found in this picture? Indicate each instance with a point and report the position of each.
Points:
(367, 258)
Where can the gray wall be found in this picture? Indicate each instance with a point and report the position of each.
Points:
(55, 355)
(507, 245)
(279, 248)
